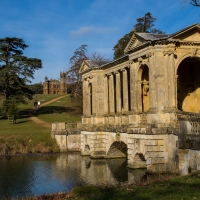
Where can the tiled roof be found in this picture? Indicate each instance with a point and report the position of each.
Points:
(151, 36)
(91, 63)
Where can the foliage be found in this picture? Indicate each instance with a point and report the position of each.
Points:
(144, 24)
(16, 69)
(37, 88)
(10, 108)
(121, 45)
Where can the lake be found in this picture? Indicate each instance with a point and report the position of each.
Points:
(22, 176)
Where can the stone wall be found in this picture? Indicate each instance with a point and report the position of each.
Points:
(189, 160)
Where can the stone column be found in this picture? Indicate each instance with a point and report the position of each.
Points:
(88, 100)
(111, 94)
(118, 92)
(172, 83)
(125, 91)
(84, 97)
(152, 84)
(166, 104)
(106, 88)
(132, 86)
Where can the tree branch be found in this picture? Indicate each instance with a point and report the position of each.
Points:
(195, 3)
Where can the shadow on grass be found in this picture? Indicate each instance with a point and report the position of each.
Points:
(21, 122)
(54, 109)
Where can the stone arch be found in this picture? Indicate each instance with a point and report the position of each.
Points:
(117, 149)
(139, 161)
(143, 88)
(188, 85)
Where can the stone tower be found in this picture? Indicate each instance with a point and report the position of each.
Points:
(54, 86)
(63, 83)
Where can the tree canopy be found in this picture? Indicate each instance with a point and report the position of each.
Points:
(144, 24)
(16, 70)
(37, 88)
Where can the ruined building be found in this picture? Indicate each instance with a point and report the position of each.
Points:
(53, 86)
(144, 105)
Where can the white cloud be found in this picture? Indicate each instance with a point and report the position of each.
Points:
(91, 29)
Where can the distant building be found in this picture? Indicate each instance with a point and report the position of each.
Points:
(53, 86)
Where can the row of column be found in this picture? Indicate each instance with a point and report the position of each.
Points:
(122, 89)
(117, 91)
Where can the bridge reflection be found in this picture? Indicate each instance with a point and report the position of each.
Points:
(97, 171)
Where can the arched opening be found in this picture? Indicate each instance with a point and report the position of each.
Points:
(144, 77)
(188, 85)
(139, 161)
(117, 149)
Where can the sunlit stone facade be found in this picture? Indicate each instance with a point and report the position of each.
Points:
(53, 86)
(139, 99)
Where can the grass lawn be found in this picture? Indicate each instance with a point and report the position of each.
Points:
(62, 110)
(163, 188)
(27, 137)
(178, 188)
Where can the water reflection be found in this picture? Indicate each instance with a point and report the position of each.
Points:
(36, 175)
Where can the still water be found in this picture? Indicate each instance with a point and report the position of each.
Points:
(36, 175)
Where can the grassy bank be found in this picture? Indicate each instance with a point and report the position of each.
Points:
(173, 188)
(28, 137)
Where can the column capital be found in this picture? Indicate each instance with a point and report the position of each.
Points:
(116, 72)
(123, 69)
(131, 62)
(108, 74)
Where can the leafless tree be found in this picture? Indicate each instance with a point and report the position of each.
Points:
(192, 2)
(99, 58)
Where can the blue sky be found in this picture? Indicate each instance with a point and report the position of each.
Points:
(54, 29)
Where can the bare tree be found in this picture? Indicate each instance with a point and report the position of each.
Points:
(73, 77)
(195, 2)
(99, 58)
(192, 2)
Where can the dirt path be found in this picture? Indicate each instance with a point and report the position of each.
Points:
(39, 121)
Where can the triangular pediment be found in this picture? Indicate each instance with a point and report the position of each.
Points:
(191, 33)
(84, 67)
(87, 65)
(134, 41)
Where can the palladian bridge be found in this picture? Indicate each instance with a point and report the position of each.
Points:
(144, 106)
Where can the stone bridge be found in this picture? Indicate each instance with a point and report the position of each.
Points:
(176, 151)
(145, 104)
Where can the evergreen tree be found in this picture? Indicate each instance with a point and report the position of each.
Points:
(144, 24)
(16, 70)
(37, 88)
(121, 45)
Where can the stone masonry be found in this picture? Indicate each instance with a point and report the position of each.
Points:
(142, 98)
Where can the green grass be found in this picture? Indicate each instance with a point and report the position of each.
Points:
(162, 187)
(62, 110)
(177, 188)
(27, 137)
